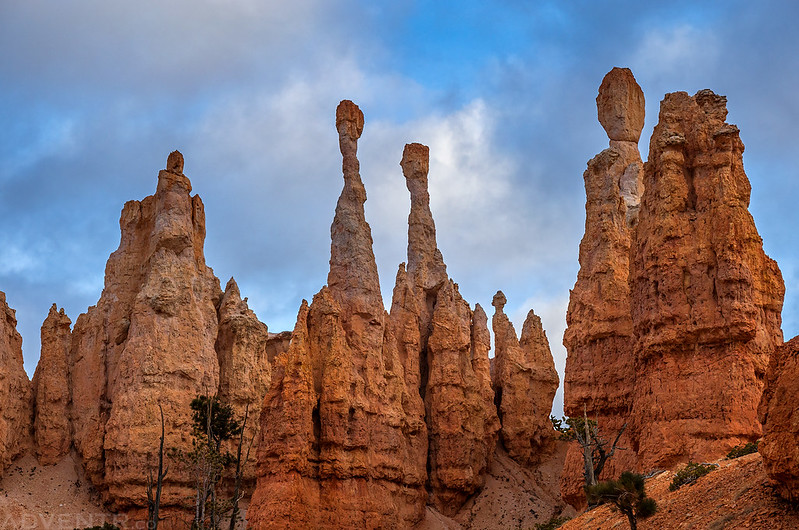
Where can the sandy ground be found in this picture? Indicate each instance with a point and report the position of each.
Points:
(736, 495)
(513, 497)
(50, 497)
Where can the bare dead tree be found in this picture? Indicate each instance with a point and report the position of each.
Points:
(154, 497)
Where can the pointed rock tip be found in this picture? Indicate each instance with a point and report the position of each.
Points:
(499, 301)
(174, 162)
(349, 119)
(621, 106)
(415, 161)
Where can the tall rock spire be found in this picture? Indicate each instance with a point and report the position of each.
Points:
(148, 341)
(339, 447)
(600, 370)
(16, 414)
(444, 348)
(51, 389)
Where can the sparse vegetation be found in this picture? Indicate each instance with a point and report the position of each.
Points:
(106, 526)
(741, 450)
(689, 474)
(595, 448)
(626, 495)
(553, 523)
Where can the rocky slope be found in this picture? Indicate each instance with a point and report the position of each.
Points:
(780, 417)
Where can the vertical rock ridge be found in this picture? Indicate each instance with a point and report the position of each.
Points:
(600, 363)
(365, 464)
(51, 391)
(16, 414)
(704, 292)
(525, 382)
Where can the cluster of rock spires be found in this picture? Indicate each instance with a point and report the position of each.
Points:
(676, 309)
(364, 417)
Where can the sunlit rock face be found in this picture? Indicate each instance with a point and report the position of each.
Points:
(706, 298)
(600, 367)
(780, 417)
(676, 307)
(16, 414)
(338, 448)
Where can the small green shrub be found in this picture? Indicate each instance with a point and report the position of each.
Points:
(553, 523)
(689, 474)
(741, 450)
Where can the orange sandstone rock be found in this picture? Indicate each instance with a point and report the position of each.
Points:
(16, 414)
(525, 382)
(706, 298)
(780, 418)
(52, 434)
(600, 368)
(336, 446)
(148, 341)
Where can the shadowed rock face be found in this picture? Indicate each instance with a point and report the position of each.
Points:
(599, 338)
(525, 382)
(676, 306)
(16, 415)
(51, 390)
(780, 418)
(706, 298)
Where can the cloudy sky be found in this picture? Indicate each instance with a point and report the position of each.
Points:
(95, 94)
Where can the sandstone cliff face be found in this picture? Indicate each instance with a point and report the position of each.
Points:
(676, 306)
(449, 343)
(600, 370)
(337, 449)
(51, 391)
(525, 382)
(149, 340)
(706, 298)
(780, 418)
(16, 416)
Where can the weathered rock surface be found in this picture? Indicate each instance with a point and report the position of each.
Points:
(148, 341)
(244, 367)
(780, 418)
(451, 343)
(16, 414)
(524, 382)
(600, 367)
(706, 298)
(51, 390)
(337, 449)
(676, 307)
(620, 103)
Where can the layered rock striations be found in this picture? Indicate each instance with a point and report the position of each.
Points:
(780, 417)
(51, 390)
(337, 447)
(676, 307)
(706, 298)
(449, 343)
(525, 381)
(16, 415)
(600, 366)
